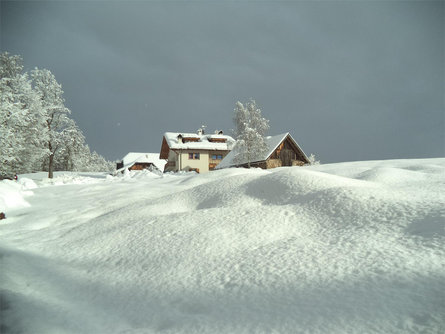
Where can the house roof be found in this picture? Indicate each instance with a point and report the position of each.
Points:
(203, 142)
(134, 157)
(272, 144)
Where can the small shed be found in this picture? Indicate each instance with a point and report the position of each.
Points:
(282, 151)
(141, 161)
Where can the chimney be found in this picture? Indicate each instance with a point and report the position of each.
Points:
(201, 130)
(179, 138)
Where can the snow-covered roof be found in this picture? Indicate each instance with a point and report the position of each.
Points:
(133, 157)
(217, 136)
(203, 142)
(272, 144)
(188, 135)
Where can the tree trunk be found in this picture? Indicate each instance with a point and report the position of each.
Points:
(248, 158)
(51, 161)
(51, 166)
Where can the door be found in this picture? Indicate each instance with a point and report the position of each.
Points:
(286, 156)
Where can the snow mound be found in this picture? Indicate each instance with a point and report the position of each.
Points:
(12, 195)
(391, 176)
(70, 178)
(141, 174)
(27, 183)
(341, 248)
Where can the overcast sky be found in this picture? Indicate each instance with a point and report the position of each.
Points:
(350, 80)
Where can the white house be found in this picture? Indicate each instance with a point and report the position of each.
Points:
(194, 151)
(140, 161)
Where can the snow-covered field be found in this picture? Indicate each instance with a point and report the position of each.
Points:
(353, 247)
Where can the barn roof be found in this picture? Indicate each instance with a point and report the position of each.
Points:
(272, 144)
(199, 142)
(134, 157)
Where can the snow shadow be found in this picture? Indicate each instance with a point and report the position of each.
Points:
(9, 320)
(401, 305)
(58, 298)
(5, 306)
(428, 227)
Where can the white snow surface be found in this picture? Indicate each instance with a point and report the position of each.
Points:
(352, 247)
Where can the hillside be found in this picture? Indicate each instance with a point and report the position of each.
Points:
(352, 247)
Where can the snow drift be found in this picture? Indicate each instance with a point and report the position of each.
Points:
(351, 247)
(13, 194)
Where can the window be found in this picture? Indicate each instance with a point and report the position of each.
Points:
(217, 157)
(194, 156)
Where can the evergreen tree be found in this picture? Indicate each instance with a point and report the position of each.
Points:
(250, 131)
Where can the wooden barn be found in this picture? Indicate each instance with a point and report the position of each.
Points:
(283, 150)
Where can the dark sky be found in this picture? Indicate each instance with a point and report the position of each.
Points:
(351, 80)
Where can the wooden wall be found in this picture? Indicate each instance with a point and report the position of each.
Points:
(141, 166)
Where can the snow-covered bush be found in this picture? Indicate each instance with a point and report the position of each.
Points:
(312, 160)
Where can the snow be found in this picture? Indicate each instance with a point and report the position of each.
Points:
(12, 195)
(353, 247)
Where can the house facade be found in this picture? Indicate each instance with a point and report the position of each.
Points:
(282, 150)
(197, 152)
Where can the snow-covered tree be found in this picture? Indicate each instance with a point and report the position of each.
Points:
(99, 164)
(250, 130)
(21, 119)
(35, 129)
(313, 160)
(66, 142)
(71, 145)
(55, 113)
